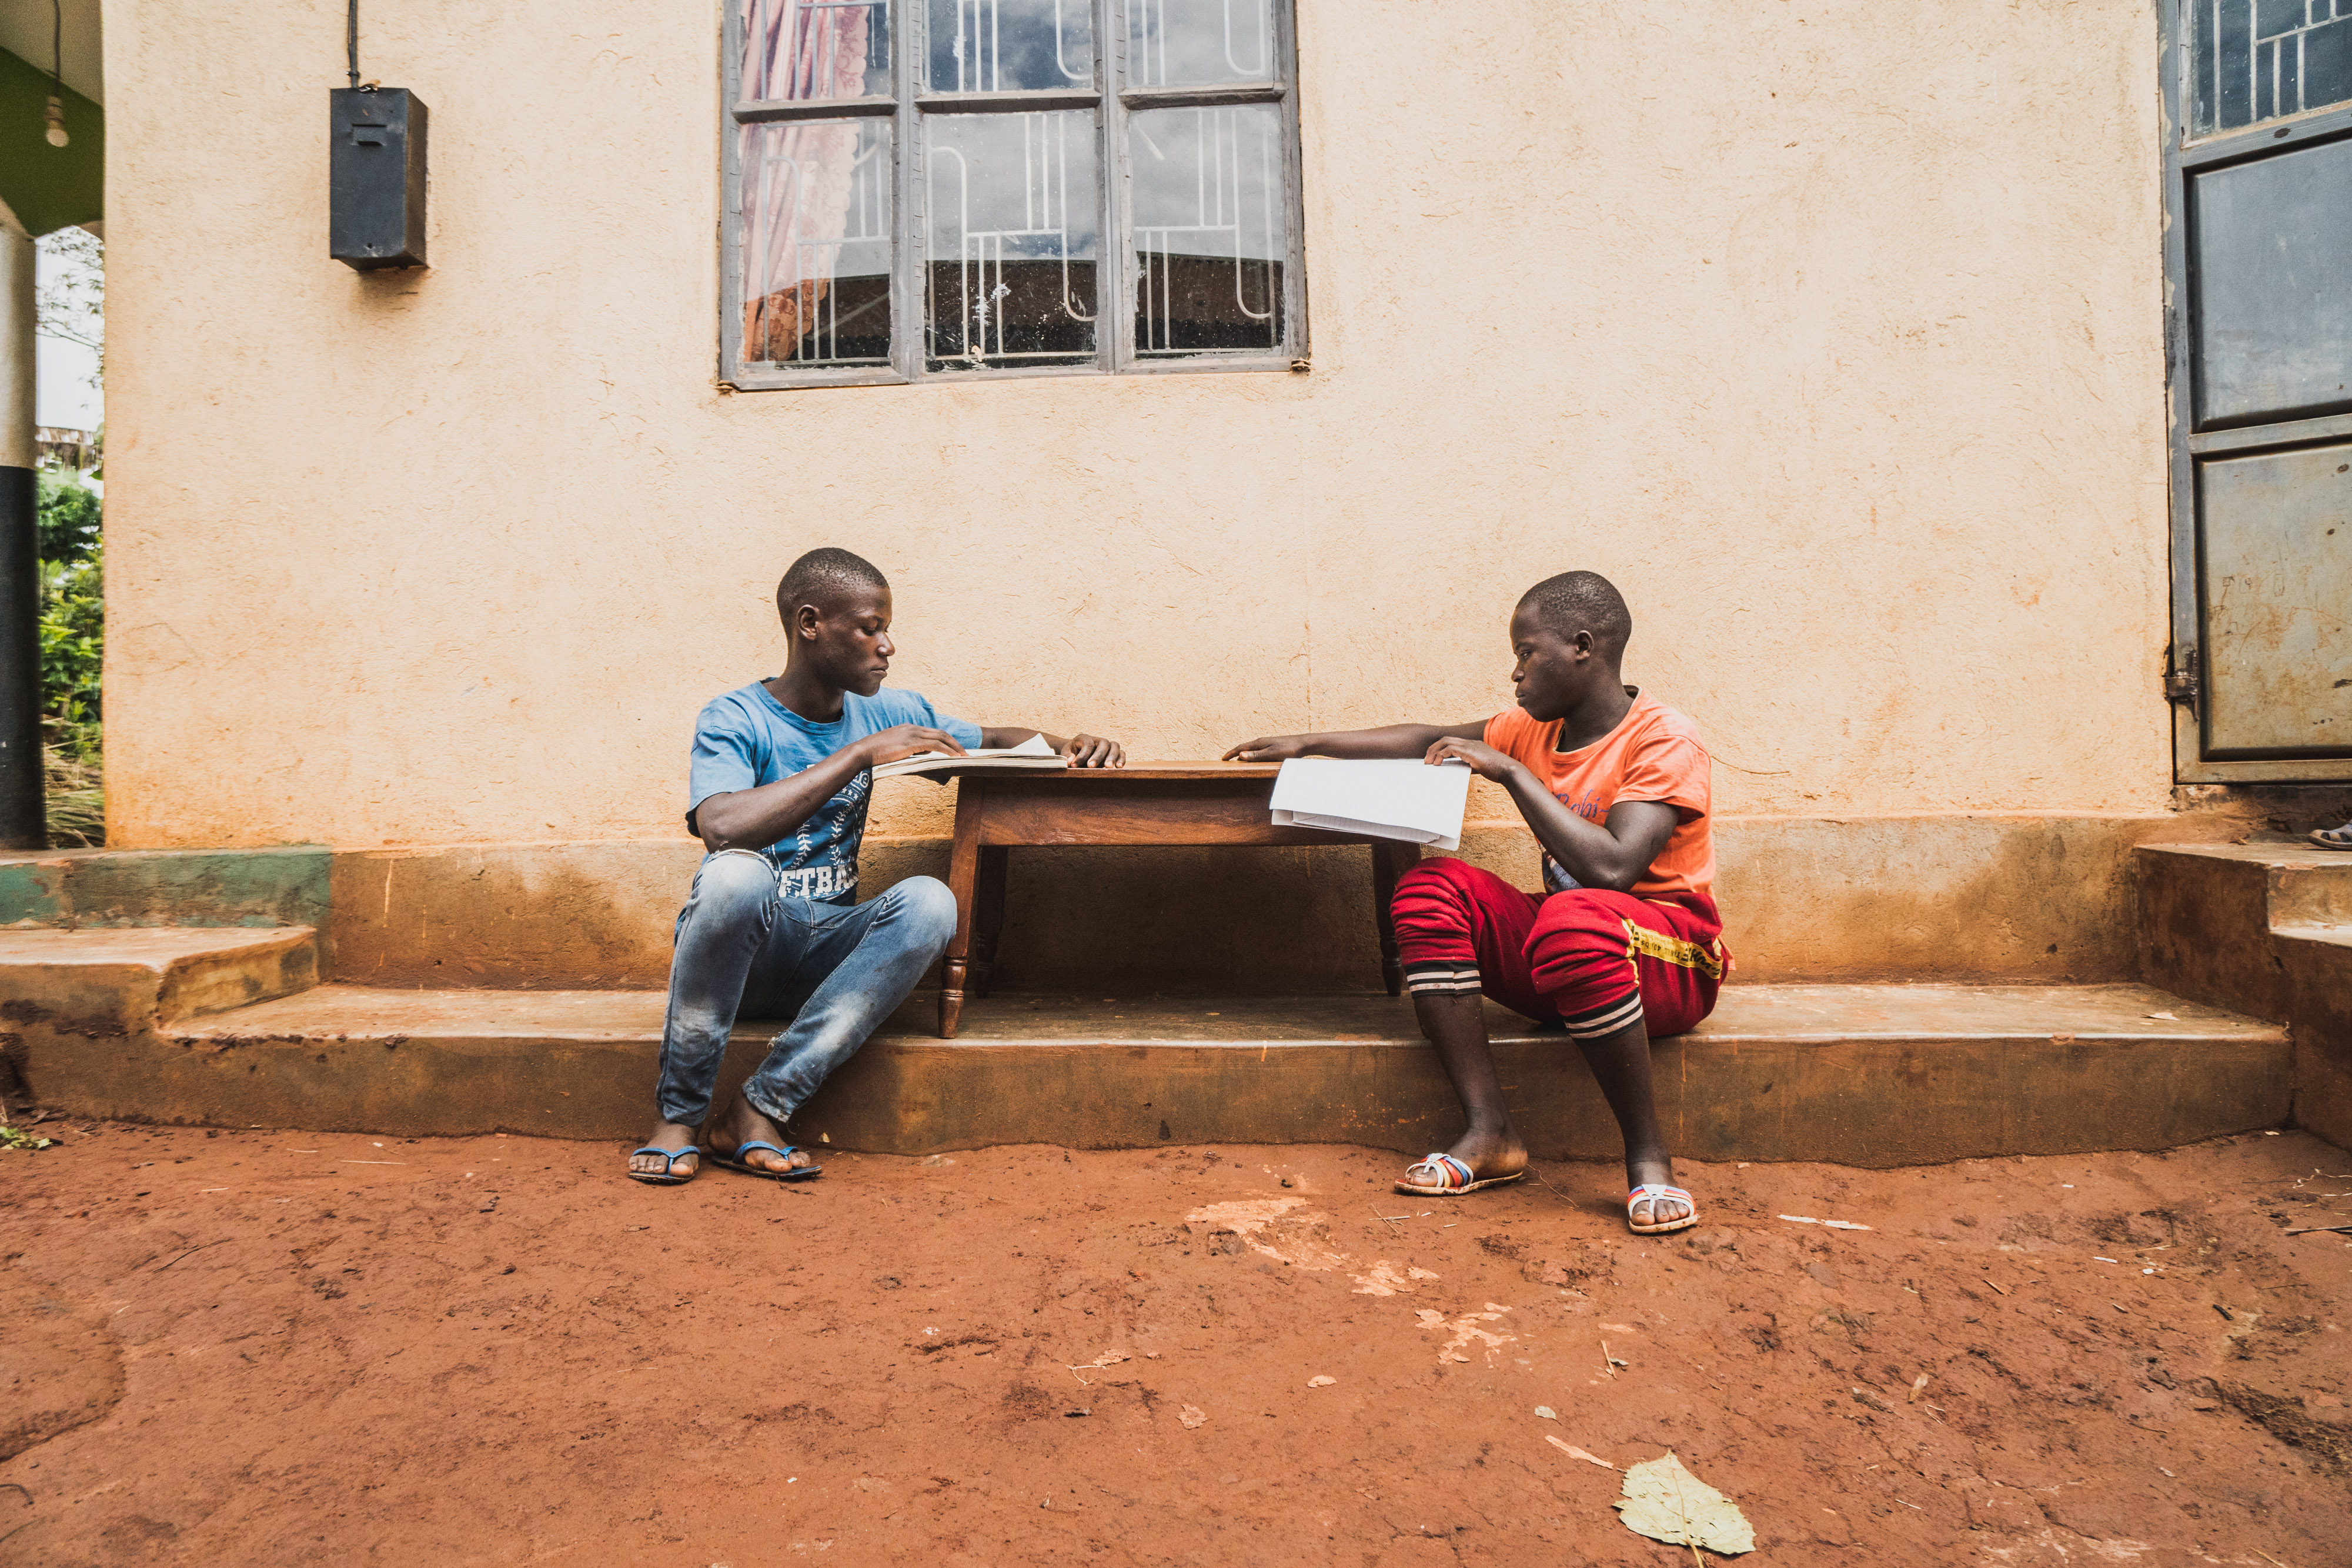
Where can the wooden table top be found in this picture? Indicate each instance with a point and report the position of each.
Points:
(1135, 771)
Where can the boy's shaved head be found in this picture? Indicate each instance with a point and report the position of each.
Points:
(1582, 602)
(823, 577)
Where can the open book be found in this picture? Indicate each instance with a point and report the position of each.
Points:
(1387, 799)
(1032, 755)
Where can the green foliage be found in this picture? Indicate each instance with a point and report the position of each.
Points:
(73, 646)
(10, 1138)
(69, 516)
(73, 652)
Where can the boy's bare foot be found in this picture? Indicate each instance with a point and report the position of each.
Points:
(739, 1124)
(1490, 1154)
(667, 1135)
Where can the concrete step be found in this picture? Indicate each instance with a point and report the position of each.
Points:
(109, 983)
(1862, 1074)
(2266, 928)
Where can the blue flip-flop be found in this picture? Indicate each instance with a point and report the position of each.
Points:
(667, 1175)
(734, 1162)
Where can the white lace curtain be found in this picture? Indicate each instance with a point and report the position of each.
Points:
(797, 174)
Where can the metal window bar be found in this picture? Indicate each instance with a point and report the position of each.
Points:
(1217, 197)
(1153, 16)
(806, 67)
(867, 221)
(1145, 89)
(980, 52)
(2274, 71)
(1118, 270)
(981, 253)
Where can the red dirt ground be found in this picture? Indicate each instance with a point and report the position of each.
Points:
(263, 1348)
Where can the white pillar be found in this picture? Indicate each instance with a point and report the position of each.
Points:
(17, 380)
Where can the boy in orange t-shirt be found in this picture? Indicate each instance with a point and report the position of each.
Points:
(1623, 944)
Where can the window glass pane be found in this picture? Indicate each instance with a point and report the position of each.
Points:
(1009, 46)
(1192, 43)
(816, 48)
(817, 242)
(1210, 228)
(1010, 238)
(2251, 61)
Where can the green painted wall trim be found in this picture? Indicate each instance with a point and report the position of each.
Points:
(48, 188)
(82, 888)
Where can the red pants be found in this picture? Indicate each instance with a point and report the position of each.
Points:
(1593, 959)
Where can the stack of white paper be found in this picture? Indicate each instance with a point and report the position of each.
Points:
(1406, 799)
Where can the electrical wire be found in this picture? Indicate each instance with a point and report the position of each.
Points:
(351, 41)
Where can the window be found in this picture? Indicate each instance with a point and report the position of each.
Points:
(2251, 61)
(934, 189)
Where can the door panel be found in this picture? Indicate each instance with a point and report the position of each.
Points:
(2258, 287)
(2277, 571)
(2271, 251)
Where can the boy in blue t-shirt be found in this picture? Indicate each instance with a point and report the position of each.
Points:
(773, 927)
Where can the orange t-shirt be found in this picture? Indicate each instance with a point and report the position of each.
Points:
(1653, 754)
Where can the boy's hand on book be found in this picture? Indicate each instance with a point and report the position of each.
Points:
(1268, 749)
(1094, 751)
(906, 740)
(1483, 760)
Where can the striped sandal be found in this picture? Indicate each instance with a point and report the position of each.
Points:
(1443, 1176)
(1650, 1193)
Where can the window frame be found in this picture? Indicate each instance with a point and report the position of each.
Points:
(1114, 267)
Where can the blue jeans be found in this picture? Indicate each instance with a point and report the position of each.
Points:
(836, 970)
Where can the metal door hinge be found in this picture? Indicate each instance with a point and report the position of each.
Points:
(2180, 682)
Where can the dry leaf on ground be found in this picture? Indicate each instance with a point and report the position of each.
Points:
(1665, 1502)
(1192, 1416)
(1573, 1452)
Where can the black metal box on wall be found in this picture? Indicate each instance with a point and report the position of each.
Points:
(375, 178)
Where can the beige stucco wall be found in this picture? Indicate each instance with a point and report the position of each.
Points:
(1828, 329)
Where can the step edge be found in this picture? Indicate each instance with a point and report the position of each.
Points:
(182, 974)
(226, 939)
(2255, 1033)
(2262, 853)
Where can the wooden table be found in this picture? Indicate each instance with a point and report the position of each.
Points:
(1147, 804)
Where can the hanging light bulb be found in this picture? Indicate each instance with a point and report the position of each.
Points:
(56, 115)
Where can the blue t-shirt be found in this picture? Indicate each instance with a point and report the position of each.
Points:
(747, 738)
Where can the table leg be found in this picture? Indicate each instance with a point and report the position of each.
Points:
(987, 917)
(963, 869)
(1389, 859)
